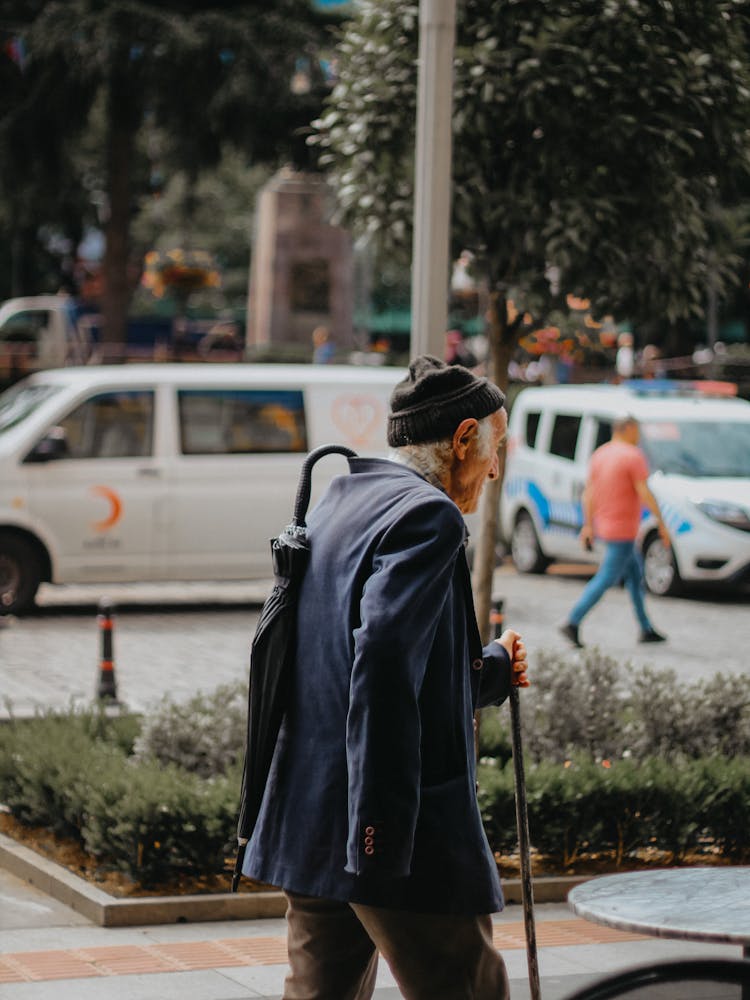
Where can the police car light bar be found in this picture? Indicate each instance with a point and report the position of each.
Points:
(681, 387)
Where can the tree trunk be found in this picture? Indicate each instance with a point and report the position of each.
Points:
(22, 272)
(501, 343)
(123, 122)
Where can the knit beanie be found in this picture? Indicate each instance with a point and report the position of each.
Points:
(434, 398)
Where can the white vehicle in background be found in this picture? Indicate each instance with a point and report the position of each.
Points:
(130, 473)
(697, 442)
(40, 331)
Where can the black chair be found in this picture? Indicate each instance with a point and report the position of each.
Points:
(693, 979)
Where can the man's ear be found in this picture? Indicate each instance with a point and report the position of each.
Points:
(463, 435)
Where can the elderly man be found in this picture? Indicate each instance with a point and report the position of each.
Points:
(370, 820)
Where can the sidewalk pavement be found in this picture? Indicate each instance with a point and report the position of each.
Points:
(50, 952)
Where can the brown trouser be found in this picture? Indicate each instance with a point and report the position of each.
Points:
(333, 953)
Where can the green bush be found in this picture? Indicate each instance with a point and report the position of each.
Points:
(584, 805)
(590, 704)
(614, 761)
(205, 735)
(151, 821)
(47, 764)
(72, 774)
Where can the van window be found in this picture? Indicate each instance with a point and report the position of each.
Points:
(564, 436)
(532, 426)
(111, 425)
(241, 421)
(26, 326)
(20, 401)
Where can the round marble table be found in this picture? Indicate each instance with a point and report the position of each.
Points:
(695, 904)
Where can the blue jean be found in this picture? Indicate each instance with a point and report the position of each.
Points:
(621, 561)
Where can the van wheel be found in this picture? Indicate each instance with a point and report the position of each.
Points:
(20, 574)
(659, 568)
(524, 546)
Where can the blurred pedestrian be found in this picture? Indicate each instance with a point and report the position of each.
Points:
(370, 820)
(457, 351)
(625, 357)
(323, 347)
(616, 489)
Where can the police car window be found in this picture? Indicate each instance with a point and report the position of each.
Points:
(564, 436)
(702, 448)
(241, 421)
(110, 425)
(603, 433)
(532, 426)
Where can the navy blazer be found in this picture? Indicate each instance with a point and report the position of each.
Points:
(371, 796)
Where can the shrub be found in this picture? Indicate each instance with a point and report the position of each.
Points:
(590, 705)
(609, 766)
(724, 804)
(619, 806)
(151, 820)
(205, 735)
(47, 764)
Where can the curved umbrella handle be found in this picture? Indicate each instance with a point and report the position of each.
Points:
(305, 478)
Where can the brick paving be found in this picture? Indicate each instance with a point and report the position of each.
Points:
(122, 960)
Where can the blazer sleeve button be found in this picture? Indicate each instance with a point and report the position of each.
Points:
(369, 849)
(477, 664)
(369, 830)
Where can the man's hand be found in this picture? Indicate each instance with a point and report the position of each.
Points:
(515, 647)
(664, 534)
(587, 537)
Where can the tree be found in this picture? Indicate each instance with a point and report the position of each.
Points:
(37, 178)
(599, 149)
(206, 73)
(606, 139)
(221, 218)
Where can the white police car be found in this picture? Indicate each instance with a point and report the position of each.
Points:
(697, 442)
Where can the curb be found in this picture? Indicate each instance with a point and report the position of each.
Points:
(108, 911)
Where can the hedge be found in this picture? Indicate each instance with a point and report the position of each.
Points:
(582, 806)
(614, 761)
(77, 774)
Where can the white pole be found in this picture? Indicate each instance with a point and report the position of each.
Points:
(432, 178)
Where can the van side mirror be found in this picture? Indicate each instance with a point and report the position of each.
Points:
(50, 448)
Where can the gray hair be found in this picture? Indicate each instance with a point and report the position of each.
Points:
(434, 457)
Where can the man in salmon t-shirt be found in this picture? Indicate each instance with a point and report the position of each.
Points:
(616, 490)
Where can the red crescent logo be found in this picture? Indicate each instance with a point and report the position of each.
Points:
(115, 509)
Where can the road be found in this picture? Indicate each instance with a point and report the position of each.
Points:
(181, 639)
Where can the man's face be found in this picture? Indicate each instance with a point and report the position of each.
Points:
(478, 465)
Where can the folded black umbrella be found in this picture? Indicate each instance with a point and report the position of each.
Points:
(272, 655)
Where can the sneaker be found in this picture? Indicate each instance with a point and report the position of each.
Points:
(651, 635)
(571, 632)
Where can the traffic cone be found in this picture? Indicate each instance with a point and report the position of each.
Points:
(107, 687)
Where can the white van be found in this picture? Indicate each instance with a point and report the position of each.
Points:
(698, 449)
(168, 472)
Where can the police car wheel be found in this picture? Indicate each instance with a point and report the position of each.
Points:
(524, 546)
(659, 568)
(19, 574)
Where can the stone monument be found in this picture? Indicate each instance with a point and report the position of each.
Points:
(301, 275)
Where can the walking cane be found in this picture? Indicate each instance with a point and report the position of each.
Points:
(522, 823)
